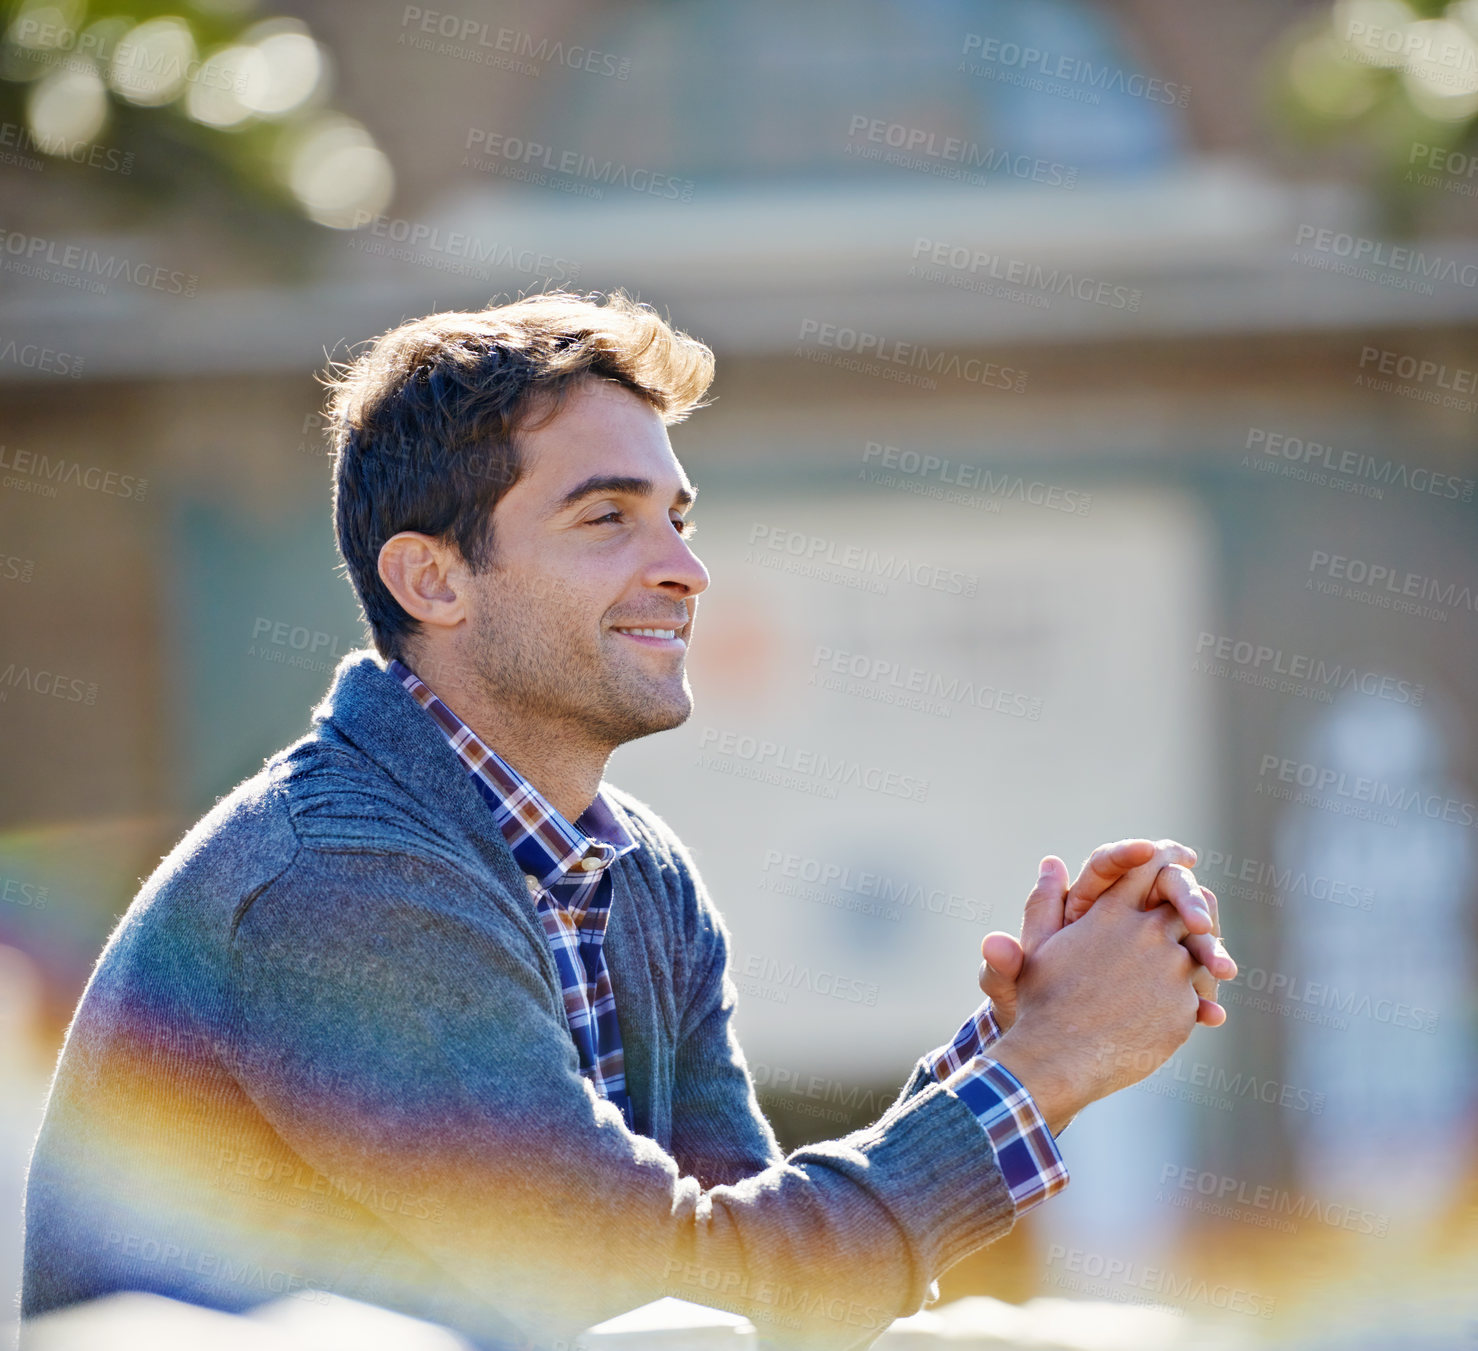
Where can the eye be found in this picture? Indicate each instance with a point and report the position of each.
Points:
(684, 528)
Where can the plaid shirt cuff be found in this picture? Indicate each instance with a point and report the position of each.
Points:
(1025, 1149)
(979, 1030)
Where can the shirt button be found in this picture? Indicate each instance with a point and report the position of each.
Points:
(590, 862)
(533, 884)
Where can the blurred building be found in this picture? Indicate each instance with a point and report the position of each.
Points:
(1047, 432)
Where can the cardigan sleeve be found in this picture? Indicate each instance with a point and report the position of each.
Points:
(719, 1133)
(425, 1052)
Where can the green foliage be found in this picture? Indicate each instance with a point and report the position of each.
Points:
(1396, 80)
(208, 101)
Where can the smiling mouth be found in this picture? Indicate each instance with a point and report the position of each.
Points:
(653, 635)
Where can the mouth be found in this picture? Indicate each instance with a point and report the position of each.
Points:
(655, 635)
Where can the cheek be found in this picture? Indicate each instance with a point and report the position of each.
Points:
(558, 602)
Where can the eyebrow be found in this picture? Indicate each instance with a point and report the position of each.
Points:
(620, 484)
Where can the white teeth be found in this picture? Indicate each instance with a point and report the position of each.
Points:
(653, 633)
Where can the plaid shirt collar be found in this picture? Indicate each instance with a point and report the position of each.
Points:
(564, 859)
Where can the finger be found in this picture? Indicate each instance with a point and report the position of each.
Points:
(1105, 866)
(1002, 952)
(1215, 909)
(1170, 921)
(1204, 983)
(1210, 1014)
(1178, 886)
(1208, 950)
(1110, 863)
(1132, 890)
(1043, 916)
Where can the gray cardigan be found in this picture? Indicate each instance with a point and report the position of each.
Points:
(325, 1050)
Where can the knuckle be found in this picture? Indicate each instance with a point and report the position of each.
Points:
(1173, 849)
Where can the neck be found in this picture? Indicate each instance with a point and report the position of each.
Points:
(565, 770)
(559, 760)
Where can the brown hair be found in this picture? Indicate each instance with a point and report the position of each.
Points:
(425, 421)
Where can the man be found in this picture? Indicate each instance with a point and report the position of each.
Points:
(429, 1015)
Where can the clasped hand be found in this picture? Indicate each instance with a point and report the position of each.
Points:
(1109, 976)
(1144, 873)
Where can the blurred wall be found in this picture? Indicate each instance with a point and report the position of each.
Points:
(1200, 494)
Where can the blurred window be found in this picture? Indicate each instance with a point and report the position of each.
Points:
(771, 88)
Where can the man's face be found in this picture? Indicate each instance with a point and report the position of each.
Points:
(579, 560)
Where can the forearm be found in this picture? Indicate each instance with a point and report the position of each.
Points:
(456, 1082)
(571, 1219)
(846, 1235)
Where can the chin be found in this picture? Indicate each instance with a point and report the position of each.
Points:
(660, 715)
(674, 714)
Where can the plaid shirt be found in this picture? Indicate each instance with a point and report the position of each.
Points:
(566, 868)
(1024, 1147)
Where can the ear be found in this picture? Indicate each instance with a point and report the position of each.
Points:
(426, 576)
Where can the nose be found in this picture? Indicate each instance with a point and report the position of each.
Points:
(676, 567)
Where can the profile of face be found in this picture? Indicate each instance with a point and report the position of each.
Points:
(589, 546)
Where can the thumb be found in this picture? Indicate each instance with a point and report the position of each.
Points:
(998, 973)
(1003, 953)
(1044, 907)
